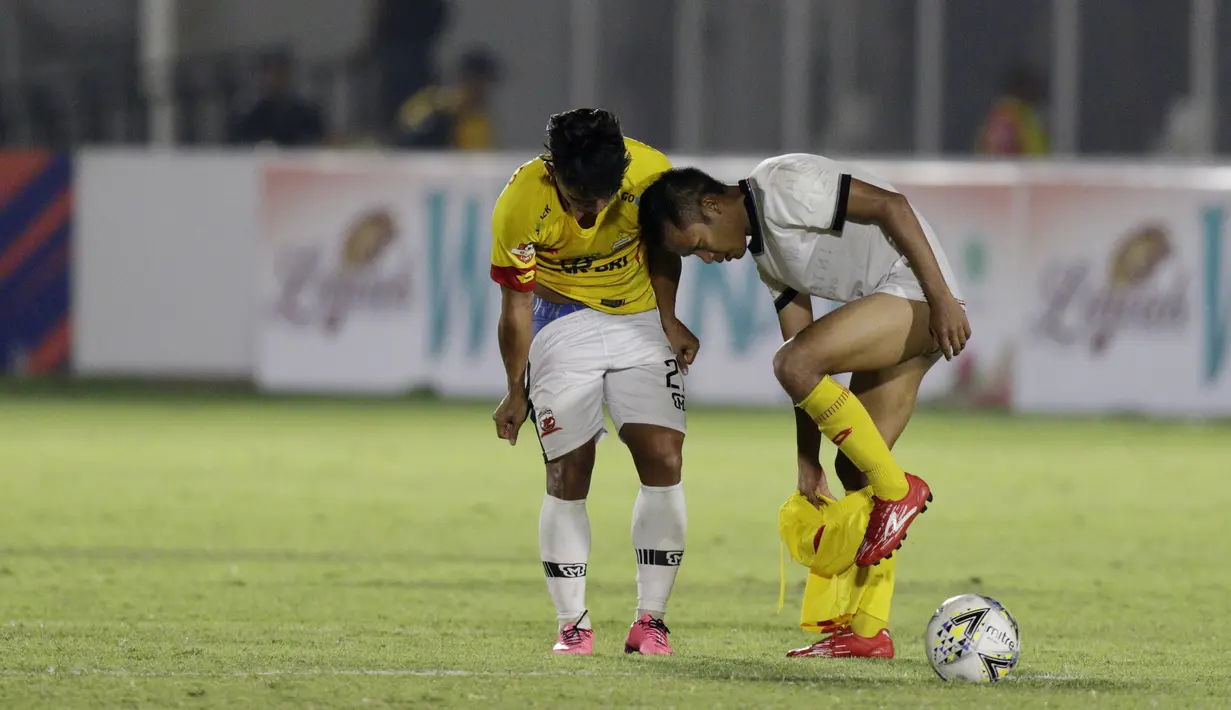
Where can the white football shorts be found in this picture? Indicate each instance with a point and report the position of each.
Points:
(582, 359)
(901, 281)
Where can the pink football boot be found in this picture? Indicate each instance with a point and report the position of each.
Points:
(574, 639)
(648, 636)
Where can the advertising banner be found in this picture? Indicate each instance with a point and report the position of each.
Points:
(36, 209)
(1090, 289)
(1129, 301)
(375, 280)
(339, 296)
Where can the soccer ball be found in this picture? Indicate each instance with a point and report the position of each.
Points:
(972, 638)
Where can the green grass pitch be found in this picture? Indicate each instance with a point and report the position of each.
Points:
(233, 552)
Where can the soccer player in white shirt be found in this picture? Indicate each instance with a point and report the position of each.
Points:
(818, 227)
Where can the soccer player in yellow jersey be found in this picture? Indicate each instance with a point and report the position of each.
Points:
(587, 317)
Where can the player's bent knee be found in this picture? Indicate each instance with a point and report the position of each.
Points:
(665, 469)
(657, 453)
(797, 370)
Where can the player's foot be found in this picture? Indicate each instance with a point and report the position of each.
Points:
(848, 644)
(889, 521)
(574, 639)
(648, 636)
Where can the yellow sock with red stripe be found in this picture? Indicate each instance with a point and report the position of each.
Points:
(866, 625)
(843, 420)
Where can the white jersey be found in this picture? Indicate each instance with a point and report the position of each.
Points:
(802, 243)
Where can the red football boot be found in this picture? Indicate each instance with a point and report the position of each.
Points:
(848, 644)
(889, 521)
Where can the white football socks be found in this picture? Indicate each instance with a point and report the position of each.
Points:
(564, 544)
(659, 523)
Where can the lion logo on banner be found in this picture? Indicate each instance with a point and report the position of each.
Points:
(367, 239)
(1132, 263)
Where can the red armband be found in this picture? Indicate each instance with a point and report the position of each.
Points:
(514, 278)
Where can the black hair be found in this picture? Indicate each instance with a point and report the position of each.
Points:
(585, 148)
(675, 197)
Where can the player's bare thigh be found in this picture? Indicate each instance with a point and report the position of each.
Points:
(568, 476)
(874, 333)
(889, 395)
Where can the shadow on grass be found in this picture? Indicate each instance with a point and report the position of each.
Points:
(846, 674)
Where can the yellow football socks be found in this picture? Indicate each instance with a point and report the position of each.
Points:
(843, 420)
(866, 625)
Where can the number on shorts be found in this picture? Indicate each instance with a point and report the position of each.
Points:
(675, 370)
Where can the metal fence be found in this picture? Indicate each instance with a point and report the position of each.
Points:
(1124, 77)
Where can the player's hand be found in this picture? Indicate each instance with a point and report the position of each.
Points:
(510, 415)
(949, 326)
(683, 342)
(812, 482)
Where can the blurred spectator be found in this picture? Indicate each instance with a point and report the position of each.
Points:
(852, 125)
(404, 34)
(279, 116)
(440, 117)
(1014, 126)
(1187, 129)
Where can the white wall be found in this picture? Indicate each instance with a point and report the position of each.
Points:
(163, 267)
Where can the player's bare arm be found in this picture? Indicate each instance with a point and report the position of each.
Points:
(793, 318)
(665, 270)
(893, 213)
(514, 332)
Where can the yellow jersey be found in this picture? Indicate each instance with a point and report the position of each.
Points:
(534, 239)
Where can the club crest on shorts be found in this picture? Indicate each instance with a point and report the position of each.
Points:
(547, 423)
